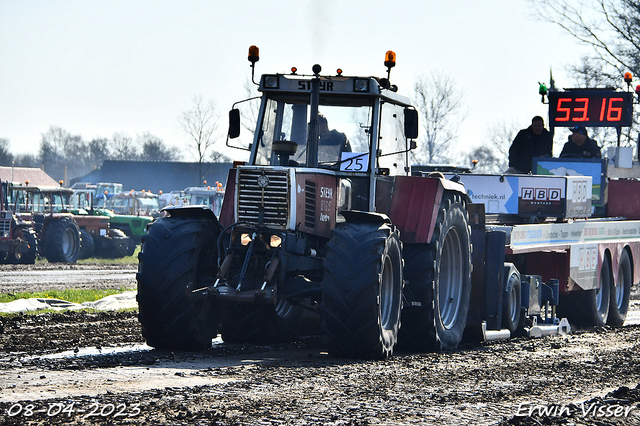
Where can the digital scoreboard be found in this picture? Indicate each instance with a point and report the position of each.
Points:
(590, 108)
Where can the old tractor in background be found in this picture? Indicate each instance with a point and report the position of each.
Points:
(209, 196)
(134, 203)
(62, 235)
(18, 242)
(57, 232)
(85, 201)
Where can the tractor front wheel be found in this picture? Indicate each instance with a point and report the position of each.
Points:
(178, 254)
(362, 290)
(28, 257)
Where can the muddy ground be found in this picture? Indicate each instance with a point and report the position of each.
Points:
(108, 376)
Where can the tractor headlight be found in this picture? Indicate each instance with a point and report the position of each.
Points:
(361, 85)
(270, 81)
(245, 239)
(275, 241)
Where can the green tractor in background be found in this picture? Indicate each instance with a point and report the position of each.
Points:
(86, 197)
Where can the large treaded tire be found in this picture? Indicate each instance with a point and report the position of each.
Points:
(511, 303)
(177, 254)
(87, 247)
(62, 240)
(589, 308)
(621, 293)
(114, 245)
(28, 257)
(362, 290)
(439, 278)
(131, 246)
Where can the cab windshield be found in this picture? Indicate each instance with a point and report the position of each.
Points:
(342, 129)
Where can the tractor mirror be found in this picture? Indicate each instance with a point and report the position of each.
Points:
(234, 123)
(410, 123)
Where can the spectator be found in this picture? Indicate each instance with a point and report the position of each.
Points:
(580, 145)
(534, 141)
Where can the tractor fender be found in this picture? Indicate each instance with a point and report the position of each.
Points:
(413, 202)
(357, 216)
(191, 211)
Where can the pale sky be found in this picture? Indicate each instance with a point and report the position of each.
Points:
(95, 68)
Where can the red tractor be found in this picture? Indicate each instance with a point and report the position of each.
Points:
(319, 222)
(326, 221)
(64, 236)
(17, 237)
(57, 233)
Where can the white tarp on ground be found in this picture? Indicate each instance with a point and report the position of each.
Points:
(116, 301)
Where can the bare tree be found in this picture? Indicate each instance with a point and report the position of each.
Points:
(6, 157)
(123, 147)
(493, 155)
(26, 160)
(612, 29)
(154, 149)
(486, 160)
(250, 110)
(440, 104)
(201, 124)
(99, 151)
(63, 154)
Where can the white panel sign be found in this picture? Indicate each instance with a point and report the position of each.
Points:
(354, 162)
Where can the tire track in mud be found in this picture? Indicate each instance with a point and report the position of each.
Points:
(299, 383)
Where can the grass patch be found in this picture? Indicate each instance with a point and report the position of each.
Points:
(127, 260)
(70, 295)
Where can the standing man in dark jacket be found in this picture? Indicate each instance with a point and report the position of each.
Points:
(534, 141)
(580, 145)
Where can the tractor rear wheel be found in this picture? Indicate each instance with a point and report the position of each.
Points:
(114, 245)
(439, 281)
(362, 290)
(621, 293)
(178, 254)
(62, 240)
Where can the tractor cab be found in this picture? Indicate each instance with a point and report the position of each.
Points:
(356, 127)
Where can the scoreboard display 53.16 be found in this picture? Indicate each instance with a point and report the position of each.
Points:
(590, 108)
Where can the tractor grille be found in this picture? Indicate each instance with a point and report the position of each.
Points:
(5, 227)
(272, 201)
(310, 204)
